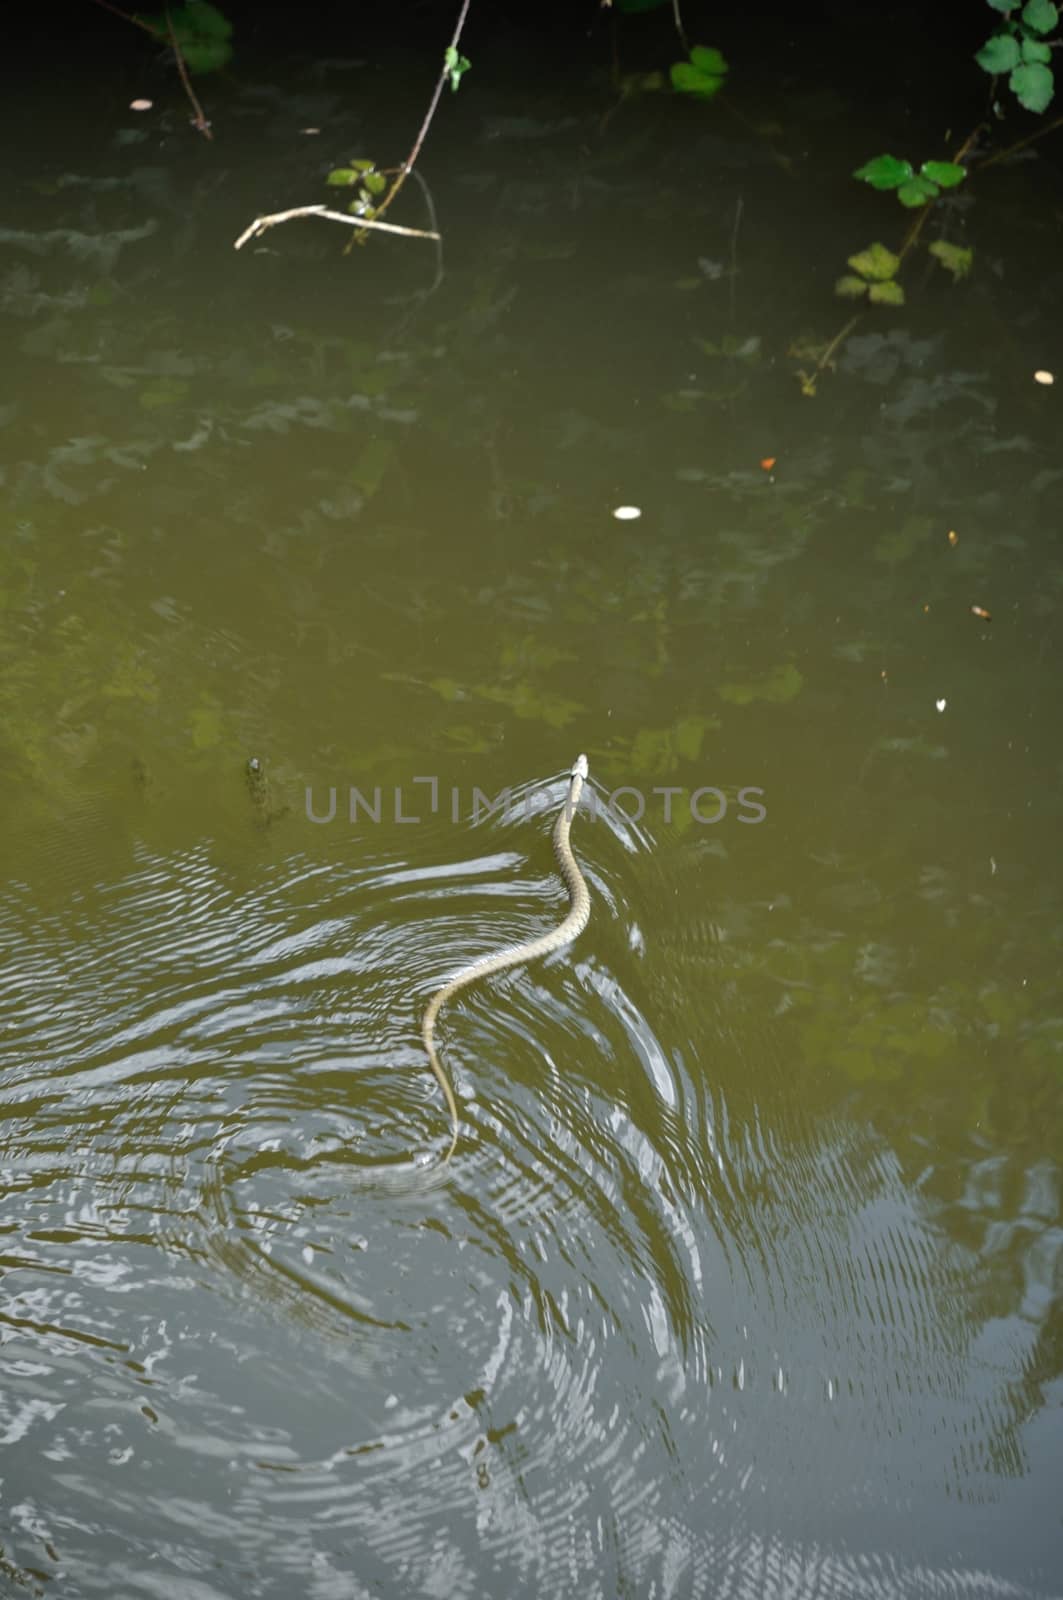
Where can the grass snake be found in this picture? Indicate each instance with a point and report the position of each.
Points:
(515, 954)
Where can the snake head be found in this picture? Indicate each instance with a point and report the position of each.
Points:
(580, 768)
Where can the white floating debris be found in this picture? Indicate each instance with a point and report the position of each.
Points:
(627, 513)
(140, 105)
(1041, 376)
(941, 704)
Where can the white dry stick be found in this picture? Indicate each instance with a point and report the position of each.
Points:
(260, 224)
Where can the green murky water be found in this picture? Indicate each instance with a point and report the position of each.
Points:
(746, 1276)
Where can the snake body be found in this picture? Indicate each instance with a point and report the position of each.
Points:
(514, 955)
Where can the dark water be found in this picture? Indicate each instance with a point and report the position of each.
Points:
(746, 1276)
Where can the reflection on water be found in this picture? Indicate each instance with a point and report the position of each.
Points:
(745, 1278)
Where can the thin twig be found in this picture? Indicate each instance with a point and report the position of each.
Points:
(430, 206)
(138, 22)
(734, 255)
(169, 37)
(825, 359)
(407, 165)
(683, 40)
(969, 142)
(199, 121)
(260, 224)
(1031, 138)
(920, 221)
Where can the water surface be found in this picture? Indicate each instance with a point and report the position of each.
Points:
(746, 1276)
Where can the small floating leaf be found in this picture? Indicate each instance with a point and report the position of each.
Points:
(342, 177)
(886, 294)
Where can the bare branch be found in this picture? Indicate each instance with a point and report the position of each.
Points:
(138, 22)
(683, 40)
(407, 165)
(199, 121)
(260, 224)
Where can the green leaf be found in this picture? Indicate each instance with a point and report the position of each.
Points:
(209, 21)
(206, 55)
(876, 262)
(1033, 86)
(885, 172)
(850, 288)
(202, 33)
(708, 60)
(205, 726)
(777, 687)
(632, 83)
(1040, 15)
(886, 294)
(164, 391)
(371, 466)
(362, 165)
(999, 54)
(686, 79)
(375, 182)
(953, 257)
(457, 66)
(342, 177)
(901, 543)
(689, 734)
(1036, 50)
(946, 173)
(917, 192)
(448, 689)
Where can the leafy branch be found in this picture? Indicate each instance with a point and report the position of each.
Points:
(370, 180)
(1020, 49)
(197, 33)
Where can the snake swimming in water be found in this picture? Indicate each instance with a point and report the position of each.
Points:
(515, 954)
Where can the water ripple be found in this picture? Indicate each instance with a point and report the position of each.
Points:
(584, 1361)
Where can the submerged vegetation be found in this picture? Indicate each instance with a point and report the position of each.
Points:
(91, 680)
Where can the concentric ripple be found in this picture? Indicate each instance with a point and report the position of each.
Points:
(596, 1358)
